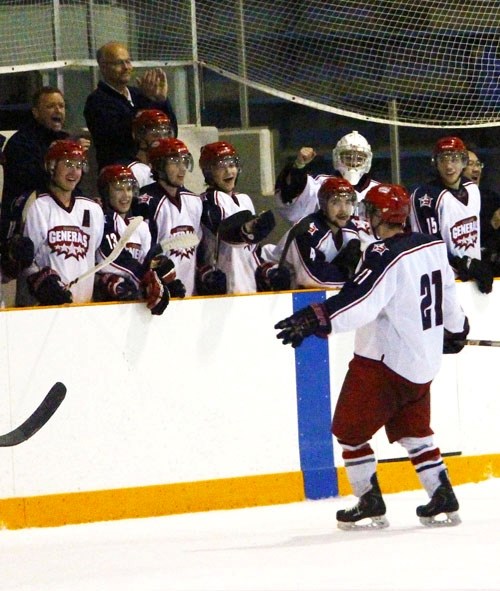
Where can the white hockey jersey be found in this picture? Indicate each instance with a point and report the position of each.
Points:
(66, 240)
(399, 302)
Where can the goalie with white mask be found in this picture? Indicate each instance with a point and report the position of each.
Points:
(298, 183)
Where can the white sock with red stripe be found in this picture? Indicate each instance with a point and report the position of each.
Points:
(426, 459)
(360, 464)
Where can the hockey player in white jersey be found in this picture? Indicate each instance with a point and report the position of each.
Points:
(137, 272)
(148, 125)
(448, 207)
(171, 208)
(232, 230)
(66, 230)
(322, 249)
(402, 303)
(298, 184)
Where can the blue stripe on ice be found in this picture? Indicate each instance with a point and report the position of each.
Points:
(314, 410)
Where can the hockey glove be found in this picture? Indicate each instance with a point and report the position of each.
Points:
(46, 286)
(312, 320)
(176, 289)
(210, 281)
(257, 229)
(164, 267)
(348, 258)
(454, 342)
(156, 293)
(270, 277)
(476, 269)
(17, 254)
(114, 287)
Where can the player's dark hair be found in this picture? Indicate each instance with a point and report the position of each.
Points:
(35, 101)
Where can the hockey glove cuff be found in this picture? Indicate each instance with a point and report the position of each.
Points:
(47, 287)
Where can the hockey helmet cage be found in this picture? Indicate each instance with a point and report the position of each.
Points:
(391, 202)
(65, 150)
(336, 187)
(164, 148)
(116, 173)
(150, 119)
(352, 157)
(449, 145)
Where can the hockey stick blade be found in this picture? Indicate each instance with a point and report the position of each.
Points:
(181, 240)
(115, 253)
(37, 420)
(471, 342)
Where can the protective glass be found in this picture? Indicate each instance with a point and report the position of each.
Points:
(451, 158)
(75, 163)
(159, 131)
(353, 158)
(228, 162)
(186, 160)
(345, 198)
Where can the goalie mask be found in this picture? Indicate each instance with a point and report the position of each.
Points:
(118, 177)
(151, 124)
(352, 157)
(220, 155)
(390, 202)
(67, 150)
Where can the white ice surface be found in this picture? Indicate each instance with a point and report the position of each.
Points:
(278, 548)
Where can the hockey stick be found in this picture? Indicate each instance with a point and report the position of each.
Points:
(299, 228)
(470, 342)
(37, 420)
(120, 245)
(181, 240)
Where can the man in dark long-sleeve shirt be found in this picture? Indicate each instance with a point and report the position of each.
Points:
(111, 107)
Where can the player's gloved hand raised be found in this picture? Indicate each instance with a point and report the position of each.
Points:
(454, 342)
(271, 277)
(118, 288)
(210, 281)
(259, 227)
(47, 287)
(312, 320)
(156, 293)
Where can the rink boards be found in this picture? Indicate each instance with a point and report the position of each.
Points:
(203, 408)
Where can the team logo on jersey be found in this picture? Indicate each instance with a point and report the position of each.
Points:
(312, 229)
(68, 241)
(379, 248)
(144, 199)
(182, 252)
(464, 233)
(425, 201)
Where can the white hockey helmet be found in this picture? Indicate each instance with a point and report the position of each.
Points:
(352, 157)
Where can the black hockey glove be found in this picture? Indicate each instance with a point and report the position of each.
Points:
(46, 286)
(312, 320)
(164, 268)
(17, 254)
(176, 289)
(210, 281)
(270, 277)
(476, 269)
(112, 287)
(348, 258)
(156, 293)
(259, 227)
(454, 342)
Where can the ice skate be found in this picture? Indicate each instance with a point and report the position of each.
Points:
(370, 511)
(443, 501)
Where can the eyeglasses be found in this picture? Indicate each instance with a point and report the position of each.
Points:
(118, 62)
(475, 164)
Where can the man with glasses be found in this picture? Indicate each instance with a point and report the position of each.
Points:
(490, 215)
(111, 107)
(449, 207)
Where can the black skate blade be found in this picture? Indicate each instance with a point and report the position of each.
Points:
(377, 522)
(451, 519)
